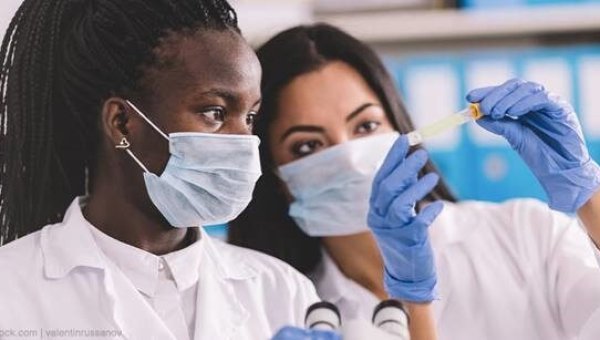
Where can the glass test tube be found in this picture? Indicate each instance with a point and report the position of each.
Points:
(471, 113)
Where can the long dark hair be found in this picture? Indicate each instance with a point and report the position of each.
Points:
(60, 60)
(265, 225)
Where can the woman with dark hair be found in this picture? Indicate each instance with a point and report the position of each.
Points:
(288, 55)
(330, 115)
(98, 97)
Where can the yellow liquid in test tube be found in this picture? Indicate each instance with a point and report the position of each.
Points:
(469, 114)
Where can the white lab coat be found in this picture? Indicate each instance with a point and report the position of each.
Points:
(355, 303)
(57, 279)
(515, 271)
(353, 300)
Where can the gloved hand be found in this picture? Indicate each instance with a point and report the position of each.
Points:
(294, 333)
(546, 133)
(401, 233)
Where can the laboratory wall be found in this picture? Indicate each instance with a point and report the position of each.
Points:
(438, 53)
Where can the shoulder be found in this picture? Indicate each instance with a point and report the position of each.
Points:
(515, 221)
(531, 208)
(21, 265)
(512, 206)
(531, 216)
(21, 254)
(530, 211)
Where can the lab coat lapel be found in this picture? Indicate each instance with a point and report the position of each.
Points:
(220, 314)
(132, 314)
(120, 301)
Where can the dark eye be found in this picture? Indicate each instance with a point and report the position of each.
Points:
(214, 115)
(367, 127)
(302, 149)
(251, 118)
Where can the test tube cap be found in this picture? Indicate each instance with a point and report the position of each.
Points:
(475, 111)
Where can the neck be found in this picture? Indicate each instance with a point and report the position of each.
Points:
(111, 211)
(359, 259)
(589, 214)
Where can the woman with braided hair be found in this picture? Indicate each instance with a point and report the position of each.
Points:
(124, 127)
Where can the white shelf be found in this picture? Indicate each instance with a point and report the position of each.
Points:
(436, 25)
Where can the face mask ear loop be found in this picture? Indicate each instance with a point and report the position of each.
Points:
(147, 120)
(137, 160)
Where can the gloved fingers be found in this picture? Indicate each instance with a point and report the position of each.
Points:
(374, 220)
(542, 101)
(325, 335)
(415, 233)
(423, 291)
(524, 91)
(560, 107)
(404, 175)
(511, 130)
(488, 102)
(475, 96)
(295, 333)
(401, 211)
(428, 214)
(393, 159)
(291, 333)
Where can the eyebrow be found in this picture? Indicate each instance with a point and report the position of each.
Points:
(359, 110)
(313, 128)
(301, 128)
(227, 95)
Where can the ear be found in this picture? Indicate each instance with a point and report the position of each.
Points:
(115, 119)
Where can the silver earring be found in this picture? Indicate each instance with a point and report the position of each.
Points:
(123, 145)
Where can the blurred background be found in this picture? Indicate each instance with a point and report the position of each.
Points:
(437, 50)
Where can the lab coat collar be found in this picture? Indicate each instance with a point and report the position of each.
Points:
(227, 314)
(336, 287)
(219, 315)
(69, 245)
(182, 260)
(329, 280)
(227, 264)
(139, 266)
(143, 267)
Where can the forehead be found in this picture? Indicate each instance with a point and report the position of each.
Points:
(205, 60)
(333, 91)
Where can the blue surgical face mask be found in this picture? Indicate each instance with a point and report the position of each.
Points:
(331, 188)
(208, 180)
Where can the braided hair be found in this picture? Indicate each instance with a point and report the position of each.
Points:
(59, 61)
